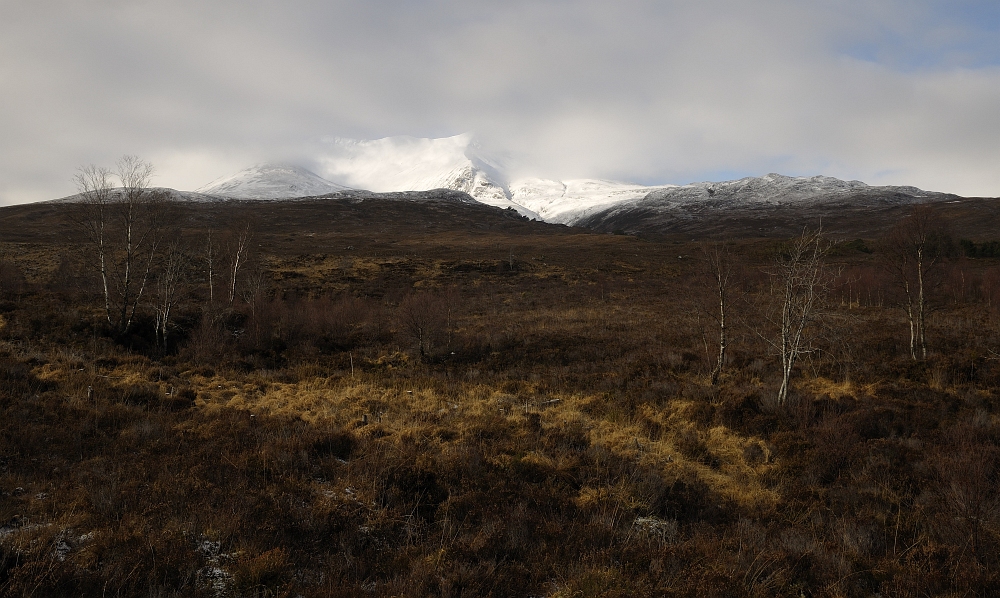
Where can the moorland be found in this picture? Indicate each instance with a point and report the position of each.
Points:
(328, 397)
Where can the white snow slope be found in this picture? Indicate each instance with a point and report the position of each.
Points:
(777, 189)
(413, 164)
(460, 163)
(270, 181)
(566, 202)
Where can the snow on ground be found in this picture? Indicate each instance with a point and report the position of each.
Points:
(565, 202)
(776, 189)
(270, 181)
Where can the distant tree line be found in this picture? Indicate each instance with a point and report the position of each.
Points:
(984, 249)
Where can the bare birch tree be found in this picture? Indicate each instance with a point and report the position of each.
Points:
(96, 189)
(122, 225)
(801, 281)
(239, 245)
(255, 288)
(719, 267)
(168, 285)
(909, 257)
(211, 255)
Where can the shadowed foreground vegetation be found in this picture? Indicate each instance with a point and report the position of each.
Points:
(408, 400)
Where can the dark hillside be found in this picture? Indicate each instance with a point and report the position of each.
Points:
(372, 213)
(849, 217)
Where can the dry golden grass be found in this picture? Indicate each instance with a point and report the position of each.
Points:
(824, 387)
(405, 409)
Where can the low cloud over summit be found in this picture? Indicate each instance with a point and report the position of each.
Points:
(894, 92)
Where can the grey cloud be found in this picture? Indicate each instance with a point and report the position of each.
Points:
(634, 90)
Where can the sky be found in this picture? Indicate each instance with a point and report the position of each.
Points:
(883, 91)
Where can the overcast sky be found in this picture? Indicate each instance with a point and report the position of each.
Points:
(884, 91)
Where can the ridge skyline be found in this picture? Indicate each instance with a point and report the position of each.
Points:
(460, 163)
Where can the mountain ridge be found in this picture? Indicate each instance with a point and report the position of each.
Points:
(462, 164)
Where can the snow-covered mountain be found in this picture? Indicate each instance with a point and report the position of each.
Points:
(270, 181)
(460, 163)
(777, 189)
(566, 202)
(771, 204)
(415, 164)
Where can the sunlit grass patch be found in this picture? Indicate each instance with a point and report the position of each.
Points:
(824, 387)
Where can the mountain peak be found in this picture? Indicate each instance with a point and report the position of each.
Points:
(271, 181)
(419, 164)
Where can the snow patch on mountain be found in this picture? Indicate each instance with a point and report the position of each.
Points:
(751, 197)
(566, 202)
(417, 164)
(462, 164)
(271, 181)
(776, 189)
(793, 188)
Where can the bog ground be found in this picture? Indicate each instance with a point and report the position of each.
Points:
(433, 398)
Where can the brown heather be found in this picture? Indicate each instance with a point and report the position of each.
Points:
(431, 400)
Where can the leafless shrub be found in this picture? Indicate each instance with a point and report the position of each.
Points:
(427, 319)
